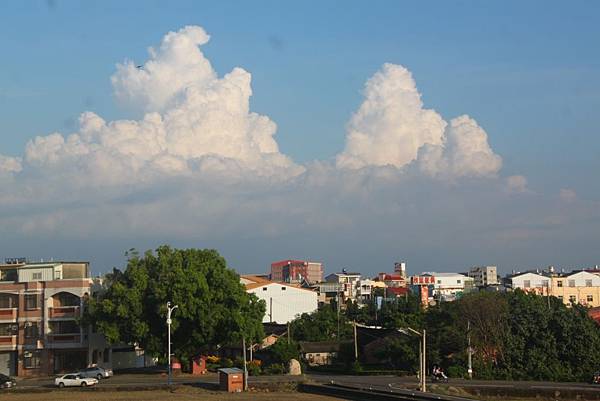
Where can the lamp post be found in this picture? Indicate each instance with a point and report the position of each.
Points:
(422, 355)
(170, 310)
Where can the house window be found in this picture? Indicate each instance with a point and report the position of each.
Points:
(527, 283)
(588, 283)
(36, 276)
(571, 283)
(31, 301)
(545, 283)
(283, 288)
(559, 283)
(439, 281)
(31, 330)
(32, 359)
(264, 288)
(8, 329)
(572, 298)
(457, 281)
(590, 298)
(560, 297)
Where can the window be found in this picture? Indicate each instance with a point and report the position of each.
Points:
(36, 276)
(31, 301)
(264, 288)
(106, 355)
(559, 283)
(571, 283)
(560, 297)
(590, 298)
(439, 281)
(457, 281)
(545, 283)
(31, 330)
(572, 298)
(8, 329)
(283, 288)
(32, 359)
(588, 283)
(526, 283)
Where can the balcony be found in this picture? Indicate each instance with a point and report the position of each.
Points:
(63, 312)
(8, 342)
(64, 338)
(8, 314)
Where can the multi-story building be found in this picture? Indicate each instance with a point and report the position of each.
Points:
(578, 287)
(529, 282)
(484, 276)
(349, 283)
(296, 271)
(284, 302)
(40, 304)
(446, 286)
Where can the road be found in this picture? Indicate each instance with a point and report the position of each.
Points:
(379, 382)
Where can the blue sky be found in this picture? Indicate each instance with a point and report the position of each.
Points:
(528, 72)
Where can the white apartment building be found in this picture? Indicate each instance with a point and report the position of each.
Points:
(448, 286)
(530, 282)
(484, 276)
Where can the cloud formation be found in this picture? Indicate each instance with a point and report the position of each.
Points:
(200, 164)
(392, 127)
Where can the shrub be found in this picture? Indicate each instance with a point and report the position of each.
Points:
(226, 363)
(253, 369)
(275, 369)
(457, 371)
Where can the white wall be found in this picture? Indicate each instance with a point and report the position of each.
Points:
(288, 303)
(535, 280)
(580, 279)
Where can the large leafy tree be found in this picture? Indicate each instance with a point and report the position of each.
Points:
(214, 308)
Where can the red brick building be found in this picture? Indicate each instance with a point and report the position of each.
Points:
(296, 271)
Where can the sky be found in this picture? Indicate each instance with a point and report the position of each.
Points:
(446, 134)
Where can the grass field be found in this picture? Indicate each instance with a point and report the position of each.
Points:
(182, 393)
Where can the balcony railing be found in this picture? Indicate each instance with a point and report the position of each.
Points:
(64, 338)
(63, 312)
(8, 313)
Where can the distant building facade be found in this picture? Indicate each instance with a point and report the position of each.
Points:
(484, 276)
(284, 302)
(296, 271)
(349, 284)
(40, 304)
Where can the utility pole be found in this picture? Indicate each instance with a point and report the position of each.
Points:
(169, 311)
(424, 371)
(355, 344)
(245, 366)
(288, 333)
(271, 310)
(469, 351)
(338, 317)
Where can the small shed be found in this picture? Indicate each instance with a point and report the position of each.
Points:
(231, 380)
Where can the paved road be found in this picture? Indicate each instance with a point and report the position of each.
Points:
(379, 382)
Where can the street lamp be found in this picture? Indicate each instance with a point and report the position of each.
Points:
(169, 311)
(422, 354)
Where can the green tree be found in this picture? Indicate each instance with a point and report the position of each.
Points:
(214, 308)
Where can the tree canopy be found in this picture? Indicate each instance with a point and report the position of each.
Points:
(214, 308)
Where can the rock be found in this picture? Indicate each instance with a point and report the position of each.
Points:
(294, 368)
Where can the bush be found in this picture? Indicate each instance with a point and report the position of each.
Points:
(253, 369)
(226, 363)
(275, 369)
(356, 367)
(457, 371)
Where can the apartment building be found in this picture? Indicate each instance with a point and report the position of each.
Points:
(578, 287)
(40, 304)
(533, 282)
(296, 271)
(349, 283)
(484, 276)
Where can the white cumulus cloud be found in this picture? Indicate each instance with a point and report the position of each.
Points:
(393, 128)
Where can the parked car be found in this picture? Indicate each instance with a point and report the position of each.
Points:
(74, 380)
(6, 381)
(97, 372)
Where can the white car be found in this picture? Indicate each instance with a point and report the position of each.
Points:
(74, 380)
